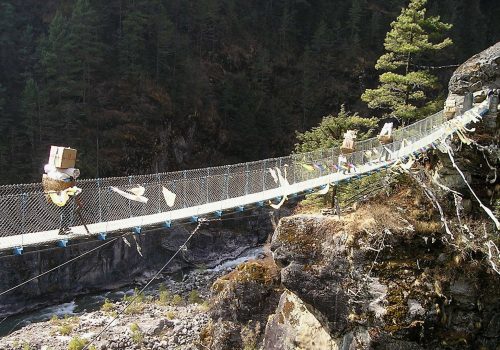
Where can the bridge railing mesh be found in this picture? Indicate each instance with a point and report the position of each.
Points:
(25, 209)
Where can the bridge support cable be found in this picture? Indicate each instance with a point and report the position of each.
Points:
(206, 191)
(183, 246)
(63, 264)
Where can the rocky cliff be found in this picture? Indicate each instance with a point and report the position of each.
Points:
(389, 275)
(125, 261)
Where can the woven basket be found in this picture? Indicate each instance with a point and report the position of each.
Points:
(385, 139)
(50, 185)
(346, 150)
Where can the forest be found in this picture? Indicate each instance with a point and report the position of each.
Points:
(140, 86)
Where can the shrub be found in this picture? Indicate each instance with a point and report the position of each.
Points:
(135, 308)
(205, 306)
(164, 297)
(177, 300)
(138, 296)
(137, 336)
(194, 297)
(65, 329)
(170, 315)
(108, 306)
(77, 343)
(137, 305)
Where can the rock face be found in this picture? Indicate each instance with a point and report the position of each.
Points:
(481, 71)
(242, 300)
(379, 279)
(124, 261)
(293, 327)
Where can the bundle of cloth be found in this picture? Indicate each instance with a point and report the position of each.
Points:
(61, 174)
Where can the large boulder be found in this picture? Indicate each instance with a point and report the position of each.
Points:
(378, 279)
(481, 71)
(241, 302)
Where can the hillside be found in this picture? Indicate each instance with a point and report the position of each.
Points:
(145, 85)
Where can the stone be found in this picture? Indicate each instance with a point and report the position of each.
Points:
(481, 71)
(294, 327)
(415, 308)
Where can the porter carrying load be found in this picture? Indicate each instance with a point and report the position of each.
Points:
(348, 143)
(385, 135)
(59, 183)
(60, 173)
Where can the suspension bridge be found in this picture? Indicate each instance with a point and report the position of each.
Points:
(28, 219)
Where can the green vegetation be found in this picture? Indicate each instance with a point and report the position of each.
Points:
(137, 336)
(405, 81)
(108, 306)
(164, 297)
(194, 297)
(177, 300)
(77, 343)
(243, 75)
(330, 132)
(170, 315)
(205, 306)
(137, 306)
(64, 326)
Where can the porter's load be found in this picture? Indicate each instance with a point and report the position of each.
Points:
(348, 143)
(450, 108)
(60, 173)
(62, 157)
(385, 135)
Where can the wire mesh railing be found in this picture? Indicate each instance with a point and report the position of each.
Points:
(25, 209)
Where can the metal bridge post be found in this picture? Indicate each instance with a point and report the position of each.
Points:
(226, 182)
(24, 202)
(159, 191)
(247, 174)
(129, 203)
(184, 199)
(206, 185)
(264, 175)
(98, 181)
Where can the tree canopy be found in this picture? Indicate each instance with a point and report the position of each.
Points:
(403, 85)
(139, 86)
(330, 132)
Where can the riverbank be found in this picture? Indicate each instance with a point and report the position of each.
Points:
(169, 315)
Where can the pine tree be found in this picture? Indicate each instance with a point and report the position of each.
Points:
(164, 46)
(58, 90)
(30, 112)
(329, 133)
(133, 43)
(87, 48)
(403, 86)
(28, 125)
(355, 15)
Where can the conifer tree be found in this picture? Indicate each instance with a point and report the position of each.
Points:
(404, 83)
(329, 133)
(55, 55)
(132, 44)
(164, 48)
(87, 49)
(30, 111)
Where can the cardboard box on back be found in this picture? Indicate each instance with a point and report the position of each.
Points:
(62, 157)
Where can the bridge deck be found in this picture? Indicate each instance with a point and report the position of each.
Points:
(44, 237)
